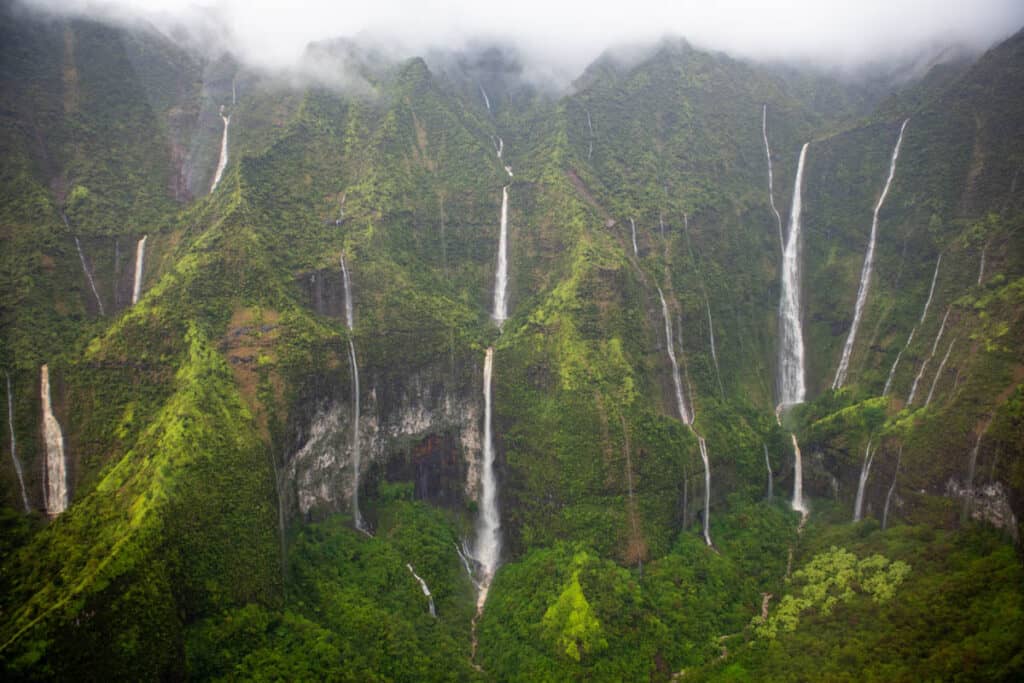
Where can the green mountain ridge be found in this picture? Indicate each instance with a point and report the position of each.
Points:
(209, 426)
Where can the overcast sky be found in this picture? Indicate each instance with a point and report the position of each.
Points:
(572, 33)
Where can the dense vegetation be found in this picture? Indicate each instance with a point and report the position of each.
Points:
(208, 538)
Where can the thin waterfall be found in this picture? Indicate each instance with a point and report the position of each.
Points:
(140, 259)
(771, 190)
(425, 589)
(488, 541)
(910, 338)
(684, 412)
(798, 479)
(222, 162)
(590, 127)
(711, 334)
(500, 313)
(661, 224)
(938, 373)
(14, 445)
(792, 389)
(707, 486)
(487, 100)
(865, 471)
(55, 491)
(464, 558)
(981, 266)
(865, 273)
(920, 374)
(971, 468)
(354, 365)
(892, 488)
(768, 466)
(632, 225)
(88, 276)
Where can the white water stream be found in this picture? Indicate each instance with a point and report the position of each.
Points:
(865, 471)
(56, 488)
(924, 365)
(792, 389)
(357, 516)
(865, 273)
(140, 259)
(425, 589)
(14, 445)
(771, 181)
(910, 338)
(222, 161)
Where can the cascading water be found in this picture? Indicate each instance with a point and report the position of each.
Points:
(488, 541)
(464, 558)
(354, 365)
(500, 313)
(55, 497)
(924, 365)
(892, 489)
(14, 445)
(865, 273)
(792, 389)
(981, 266)
(487, 100)
(798, 479)
(714, 352)
(910, 338)
(222, 161)
(971, 468)
(684, 412)
(632, 225)
(771, 182)
(88, 275)
(768, 466)
(425, 589)
(140, 258)
(865, 470)
(686, 415)
(938, 373)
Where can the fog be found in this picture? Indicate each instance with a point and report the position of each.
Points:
(558, 39)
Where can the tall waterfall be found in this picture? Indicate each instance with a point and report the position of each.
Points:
(222, 162)
(632, 225)
(865, 470)
(910, 338)
(981, 266)
(714, 352)
(686, 415)
(771, 181)
(354, 365)
(424, 588)
(56, 489)
(88, 276)
(684, 412)
(140, 259)
(791, 349)
(920, 374)
(768, 466)
(938, 373)
(798, 479)
(487, 100)
(488, 541)
(892, 489)
(865, 273)
(14, 445)
(500, 313)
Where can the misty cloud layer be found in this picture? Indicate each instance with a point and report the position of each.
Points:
(560, 39)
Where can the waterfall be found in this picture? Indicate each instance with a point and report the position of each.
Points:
(771, 190)
(865, 470)
(56, 489)
(354, 365)
(590, 126)
(798, 479)
(632, 225)
(488, 542)
(714, 353)
(463, 556)
(791, 350)
(768, 466)
(924, 313)
(938, 373)
(426, 590)
(917, 379)
(501, 274)
(684, 412)
(707, 487)
(971, 467)
(981, 266)
(892, 488)
(487, 100)
(222, 162)
(14, 445)
(501, 147)
(661, 224)
(140, 258)
(865, 273)
(88, 276)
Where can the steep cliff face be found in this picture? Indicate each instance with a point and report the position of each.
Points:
(212, 426)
